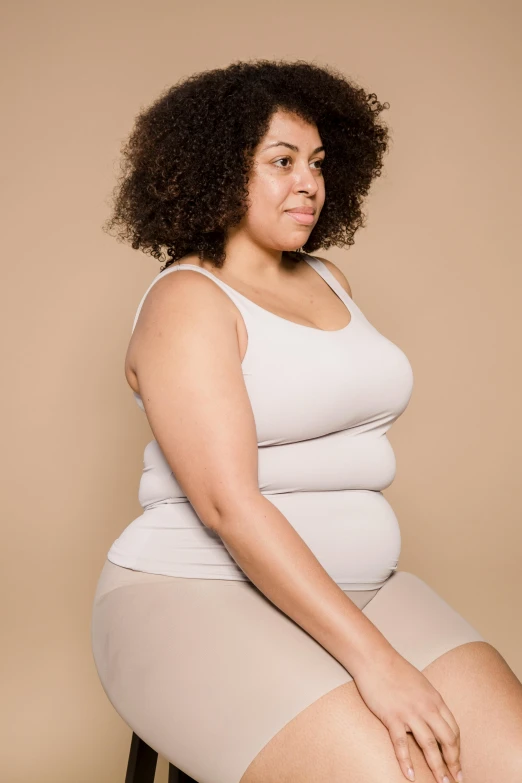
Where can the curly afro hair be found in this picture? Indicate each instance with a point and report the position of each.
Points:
(186, 164)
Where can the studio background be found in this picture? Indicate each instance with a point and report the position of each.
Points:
(437, 270)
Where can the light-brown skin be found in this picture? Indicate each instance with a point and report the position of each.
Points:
(391, 716)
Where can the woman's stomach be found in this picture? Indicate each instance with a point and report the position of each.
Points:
(354, 534)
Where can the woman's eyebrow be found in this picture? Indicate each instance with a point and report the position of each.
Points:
(291, 146)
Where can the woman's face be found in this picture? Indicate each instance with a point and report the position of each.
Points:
(286, 175)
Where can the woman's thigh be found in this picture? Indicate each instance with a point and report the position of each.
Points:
(335, 740)
(210, 673)
(485, 696)
(338, 738)
(205, 671)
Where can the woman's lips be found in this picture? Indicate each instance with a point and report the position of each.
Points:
(302, 217)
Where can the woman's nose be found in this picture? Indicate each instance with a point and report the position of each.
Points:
(306, 181)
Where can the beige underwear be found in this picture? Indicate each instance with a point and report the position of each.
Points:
(207, 671)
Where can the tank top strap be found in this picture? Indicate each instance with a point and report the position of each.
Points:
(237, 298)
(332, 281)
(246, 306)
(327, 276)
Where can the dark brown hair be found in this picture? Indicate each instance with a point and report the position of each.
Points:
(186, 164)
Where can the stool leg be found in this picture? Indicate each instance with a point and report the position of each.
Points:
(141, 767)
(177, 776)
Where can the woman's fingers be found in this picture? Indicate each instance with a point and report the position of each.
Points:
(397, 732)
(450, 720)
(447, 733)
(405, 701)
(428, 737)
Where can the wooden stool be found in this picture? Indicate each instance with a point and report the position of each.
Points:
(142, 765)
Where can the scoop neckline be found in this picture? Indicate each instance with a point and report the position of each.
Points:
(269, 312)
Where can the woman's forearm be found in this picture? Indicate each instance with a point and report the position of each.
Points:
(279, 563)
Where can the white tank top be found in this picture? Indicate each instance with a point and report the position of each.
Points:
(323, 402)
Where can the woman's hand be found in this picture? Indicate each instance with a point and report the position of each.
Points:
(405, 701)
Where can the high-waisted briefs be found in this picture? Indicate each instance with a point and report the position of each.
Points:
(207, 671)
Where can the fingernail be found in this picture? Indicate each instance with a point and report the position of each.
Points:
(411, 774)
(445, 779)
(460, 776)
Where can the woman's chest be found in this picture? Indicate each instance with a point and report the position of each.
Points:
(305, 387)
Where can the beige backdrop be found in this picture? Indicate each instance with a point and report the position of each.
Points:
(437, 270)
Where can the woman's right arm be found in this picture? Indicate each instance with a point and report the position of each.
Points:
(186, 358)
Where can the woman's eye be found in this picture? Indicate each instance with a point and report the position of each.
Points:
(320, 162)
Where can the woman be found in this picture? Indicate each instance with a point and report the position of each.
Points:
(252, 625)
